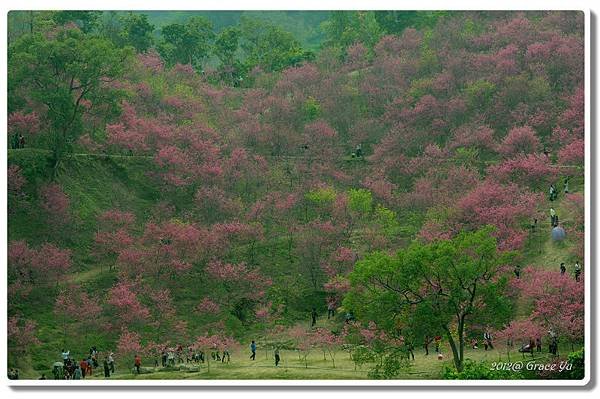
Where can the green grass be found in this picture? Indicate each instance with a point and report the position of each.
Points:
(291, 367)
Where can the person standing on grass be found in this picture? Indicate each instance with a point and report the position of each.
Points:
(563, 268)
(487, 337)
(277, 358)
(566, 185)
(313, 316)
(426, 344)
(517, 271)
(83, 365)
(65, 355)
(137, 362)
(330, 309)
(226, 353)
(78, 373)
(111, 362)
(90, 365)
(253, 349)
(106, 368)
(438, 341)
(577, 271)
(538, 344)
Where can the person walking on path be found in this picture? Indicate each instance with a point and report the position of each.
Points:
(83, 365)
(106, 368)
(78, 373)
(226, 354)
(438, 341)
(277, 358)
(137, 362)
(553, 192)
(253, 349)
(111, 362)
(426, 344)
(577, 271)
(330, 310)
(313, 316)
(90, 365)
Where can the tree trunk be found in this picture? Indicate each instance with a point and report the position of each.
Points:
(456, 353)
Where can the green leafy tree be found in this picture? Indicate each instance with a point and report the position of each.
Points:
(226, 45)
(86, 20)
(189, 43)
(453, 284)
(345, 28)
(269, 47)
(137, 32)
(394, 22)
(360, 200)
(225, 48)
(68, 74)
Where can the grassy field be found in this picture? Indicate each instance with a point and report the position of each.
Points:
(292, 367)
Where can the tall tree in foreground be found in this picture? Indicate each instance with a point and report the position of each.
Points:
(67, 72)
(455, 283)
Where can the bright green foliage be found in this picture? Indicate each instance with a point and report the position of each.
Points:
(480, 93)
(360, 200)
(63, 74)
(312, 109)
(577, 360)
(386, 361)
(189, 43)
(480, 371)
(387, 220)
(321, 196)
(453, 284)
(137, 32)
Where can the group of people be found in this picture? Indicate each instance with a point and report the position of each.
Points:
(358, 152)
(487, 341)
(535, 345)
(171, 357)
(18, 141)
(70, 369)
(276, 353)
(438, 345)
(576, 270)
(553, 191)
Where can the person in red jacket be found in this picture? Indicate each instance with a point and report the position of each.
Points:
(137, 362)
(83, 365)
